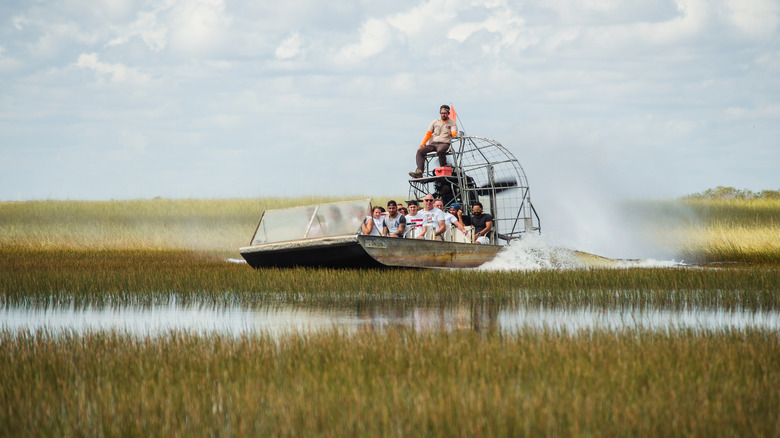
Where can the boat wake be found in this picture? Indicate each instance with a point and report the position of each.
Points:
(533, 253)
(232, 260)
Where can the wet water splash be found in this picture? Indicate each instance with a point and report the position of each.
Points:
(238, 261)
(533, 253)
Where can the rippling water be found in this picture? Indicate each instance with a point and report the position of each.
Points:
(281, 319)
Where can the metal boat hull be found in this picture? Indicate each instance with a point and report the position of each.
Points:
(354, 251)
(427, 253)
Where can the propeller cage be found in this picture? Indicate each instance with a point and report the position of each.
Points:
(482, 171)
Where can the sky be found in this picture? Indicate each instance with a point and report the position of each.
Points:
(598, 99)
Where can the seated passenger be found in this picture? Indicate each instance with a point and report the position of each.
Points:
(414, 222)
(482, 222)
(396, 222)
(450, 219)
(464, 234)
(434, 218)
(456, 211)
(374, 225)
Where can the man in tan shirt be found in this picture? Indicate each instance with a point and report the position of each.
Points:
(440, 133)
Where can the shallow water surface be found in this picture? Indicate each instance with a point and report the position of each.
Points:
(280, 319)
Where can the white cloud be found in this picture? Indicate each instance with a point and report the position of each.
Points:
(20, 22)
(115, 72)
(57, 36)
(502, 22)
(612, 87)
(756, 18)
(403, 83)
(114, 10)
(198, 26)
(679, 28)
(762, 112)
(681, 127)
(146, 25)
(430, 15)
(8, 64)
(693, 18)
(375, 36)
(769, 61)
(290, 47)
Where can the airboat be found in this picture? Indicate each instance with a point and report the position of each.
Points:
(328, 234)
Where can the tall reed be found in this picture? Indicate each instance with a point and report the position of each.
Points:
(40, 276)
(199, 224)
(713, 231)
(698, 230)
(394, 383)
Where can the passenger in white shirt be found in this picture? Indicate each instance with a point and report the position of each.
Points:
(449, 218)
(374, 225)
(415, 222)
(434, 217)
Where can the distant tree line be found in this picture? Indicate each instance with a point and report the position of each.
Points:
(721, 192)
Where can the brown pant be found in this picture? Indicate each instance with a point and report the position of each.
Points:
(441, 150)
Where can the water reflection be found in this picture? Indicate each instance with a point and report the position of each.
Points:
(280, 319)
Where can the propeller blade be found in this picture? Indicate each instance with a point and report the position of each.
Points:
(498, 186)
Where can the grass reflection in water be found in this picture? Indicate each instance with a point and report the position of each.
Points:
(284, 318)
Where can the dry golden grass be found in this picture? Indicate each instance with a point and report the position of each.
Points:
(205, 225)
(732, 231)
(714, 231)
(214, 225)
(731, 243)
(699, 230)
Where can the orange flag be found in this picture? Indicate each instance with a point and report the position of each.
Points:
(453, 115)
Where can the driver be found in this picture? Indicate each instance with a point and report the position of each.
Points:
(440, 133)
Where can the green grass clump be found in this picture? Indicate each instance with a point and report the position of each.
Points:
(394, 383)
(729, 193)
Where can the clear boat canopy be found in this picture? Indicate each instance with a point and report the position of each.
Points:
(319, 220)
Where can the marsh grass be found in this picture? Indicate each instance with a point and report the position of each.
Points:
(751, 213)
(85, 277)
(146, 251)
(714, 231)
(397, 383)
(195, 224)
(731, 244)
(733, 231)
(698, 230)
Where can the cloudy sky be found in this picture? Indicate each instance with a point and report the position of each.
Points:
(121, 99)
